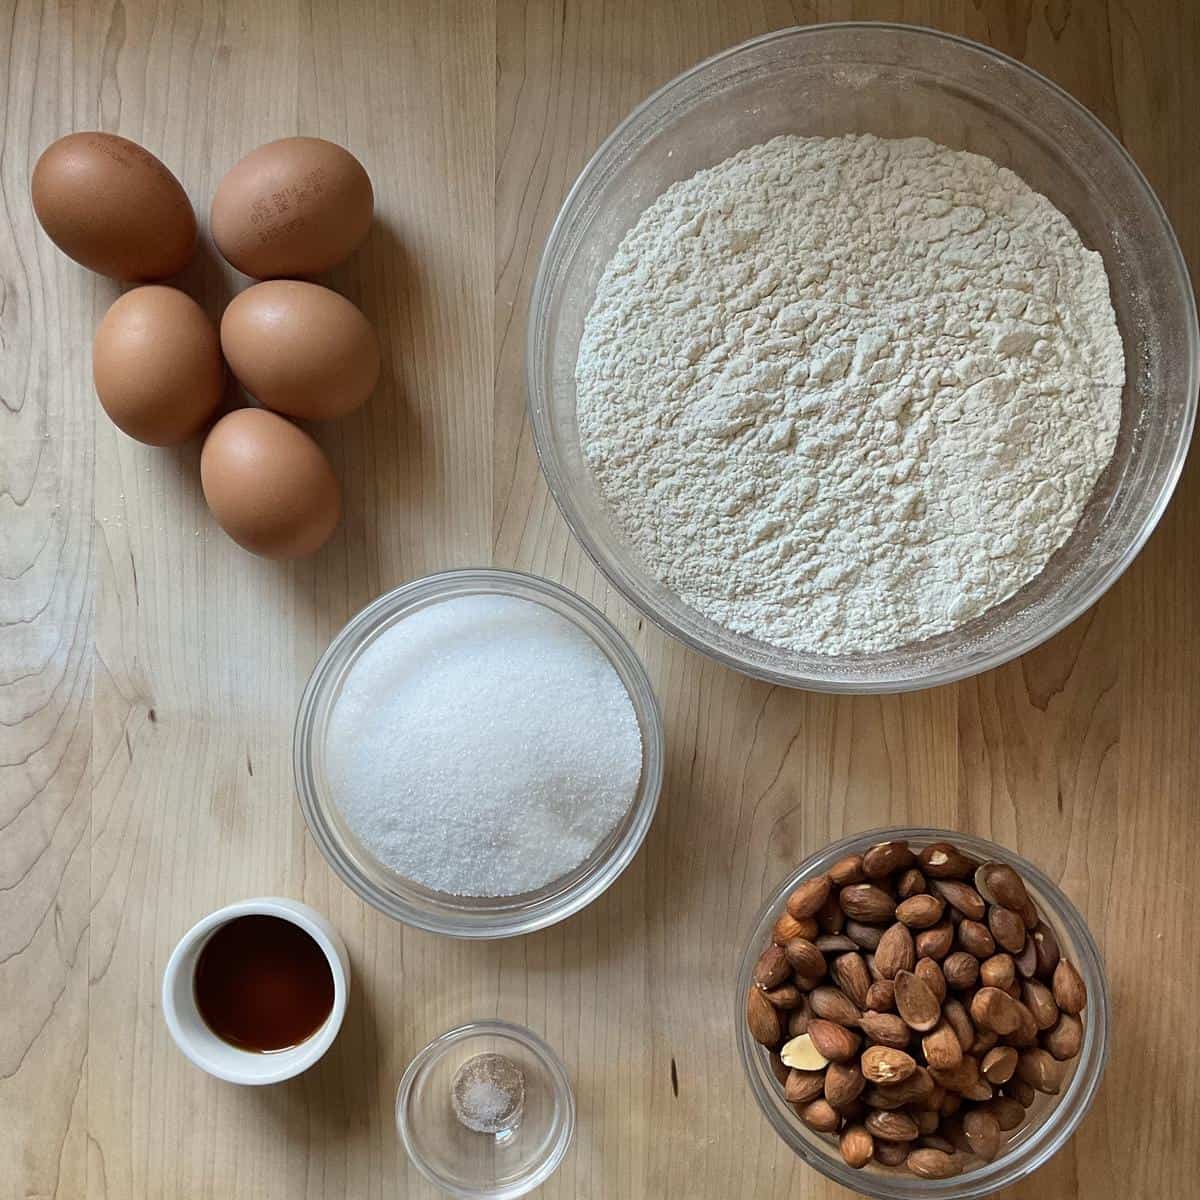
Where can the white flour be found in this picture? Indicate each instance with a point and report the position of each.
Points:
(844, 394)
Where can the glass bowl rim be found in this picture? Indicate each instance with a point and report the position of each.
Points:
(1070, 1107)
(958, 669)
(531, 1041)
(482, 923)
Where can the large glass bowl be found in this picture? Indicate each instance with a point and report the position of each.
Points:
(412, 902)
(893, 81)
(1049, 1122)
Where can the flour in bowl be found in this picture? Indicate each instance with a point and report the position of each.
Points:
(843, 394)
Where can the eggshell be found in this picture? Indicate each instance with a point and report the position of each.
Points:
(111, 205)
(294, 207)
(269, 484)
(157, 365)
(300, 349)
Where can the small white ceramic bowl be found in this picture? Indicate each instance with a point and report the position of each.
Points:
(209, 1052)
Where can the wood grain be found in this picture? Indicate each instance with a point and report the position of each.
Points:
(149, 670)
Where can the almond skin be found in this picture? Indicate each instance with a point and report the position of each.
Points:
(1046, 951)
(804, 1086)
(832, 1004)
(916, 1003)
(885, 1064)
(847, 870)
(999, 971)
(763, 1019)
(890, 1154)
(959, 1020)
(983, 1133)
(1021, 1092)
(797, 1021)
(803, 957)
(857, 1146)
(961, 896)
(867, 903)
(786, 996)
(881, 996)
(941, 1047)
(931, 975)
(821, 1116)
(995, 1010)
(910, 883)
(1008, 1113)
(941, 860)
(916, 1089)
(844, 1083)
(896, 951)
(1026, 960)
(834, 943)
(807, 899)
(886, 1029)
(884, 858)
(935, 942)
(928, 1163)
(975, 938)
(1040, 1070)
(1040, 1001)
(865, 937)
(999, 884)
(961, 970)
(850, 973)
(1070, 992)
(1066, 1038)
(921, 911)
(772, 968)
(1007, 928)
(999, 1064)
(835, 1042)
(892, 1126)
(787, 927)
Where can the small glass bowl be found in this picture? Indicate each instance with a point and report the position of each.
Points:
(474, 1165)
(1050, 1121)
(410, 902)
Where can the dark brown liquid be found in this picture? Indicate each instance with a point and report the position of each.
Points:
(263, 984)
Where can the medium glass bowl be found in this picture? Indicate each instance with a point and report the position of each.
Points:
(413, 903)
(1050, 1121)
(476, 1166)
(893, 81)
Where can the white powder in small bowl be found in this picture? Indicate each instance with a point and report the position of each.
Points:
(483, 746)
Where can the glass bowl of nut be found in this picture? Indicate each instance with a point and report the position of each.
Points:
(922, 1013)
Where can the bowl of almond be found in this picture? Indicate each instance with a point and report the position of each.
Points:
(922, 1013)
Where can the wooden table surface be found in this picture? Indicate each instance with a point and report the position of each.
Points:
(149, 670)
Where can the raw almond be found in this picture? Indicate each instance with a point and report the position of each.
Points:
(807, 899)
(834, 943)
(821, 1116)
(961, 970)
(974, 938)
(1008, 1113)
(881, 996)
(1021, 1092)
(844, 1083)
(801, 1053)
(804, 1086)
(778, 1068)
(1041, 1002)
(910, 883)
(935, 942)
(803, 957)
(916, 1089)
(797, 1021)
(850, 973)
(787, 927)
(927, 1122)
(931, 975)
(896, 951)
(962, 897)
(995, 1010)
(999, 884)
(1026, 1033)
(1066, 1038)
(847, 870)
(916, 1003)
(983, 1133)
(867, 903)
(931, 1164)
(886, 1029)
(892, 1126)
(890, 1154)
(1045, 947)
(1007, 928)
(885, 1064)
(1040, 1070)
(941, 1047)
(1026, 961)
(933, 1141)
(834, 1042)
(830, 918)
(832, 1004)
(959, 1020)
(786, 996)
(762, 1018)
(886, 857)
(921, 911)
(961, 1078)
(772, 967)
(857, 1146)
(999, 971)
(998, 1064)
(1070, 992)
(941, 860)
(985, 1039)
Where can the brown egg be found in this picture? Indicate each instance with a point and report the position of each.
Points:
(112, 206)
(300, 349)
(294, 207)
(157, 365)
(269, 484)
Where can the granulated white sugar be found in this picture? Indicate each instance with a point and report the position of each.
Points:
(483, 746)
